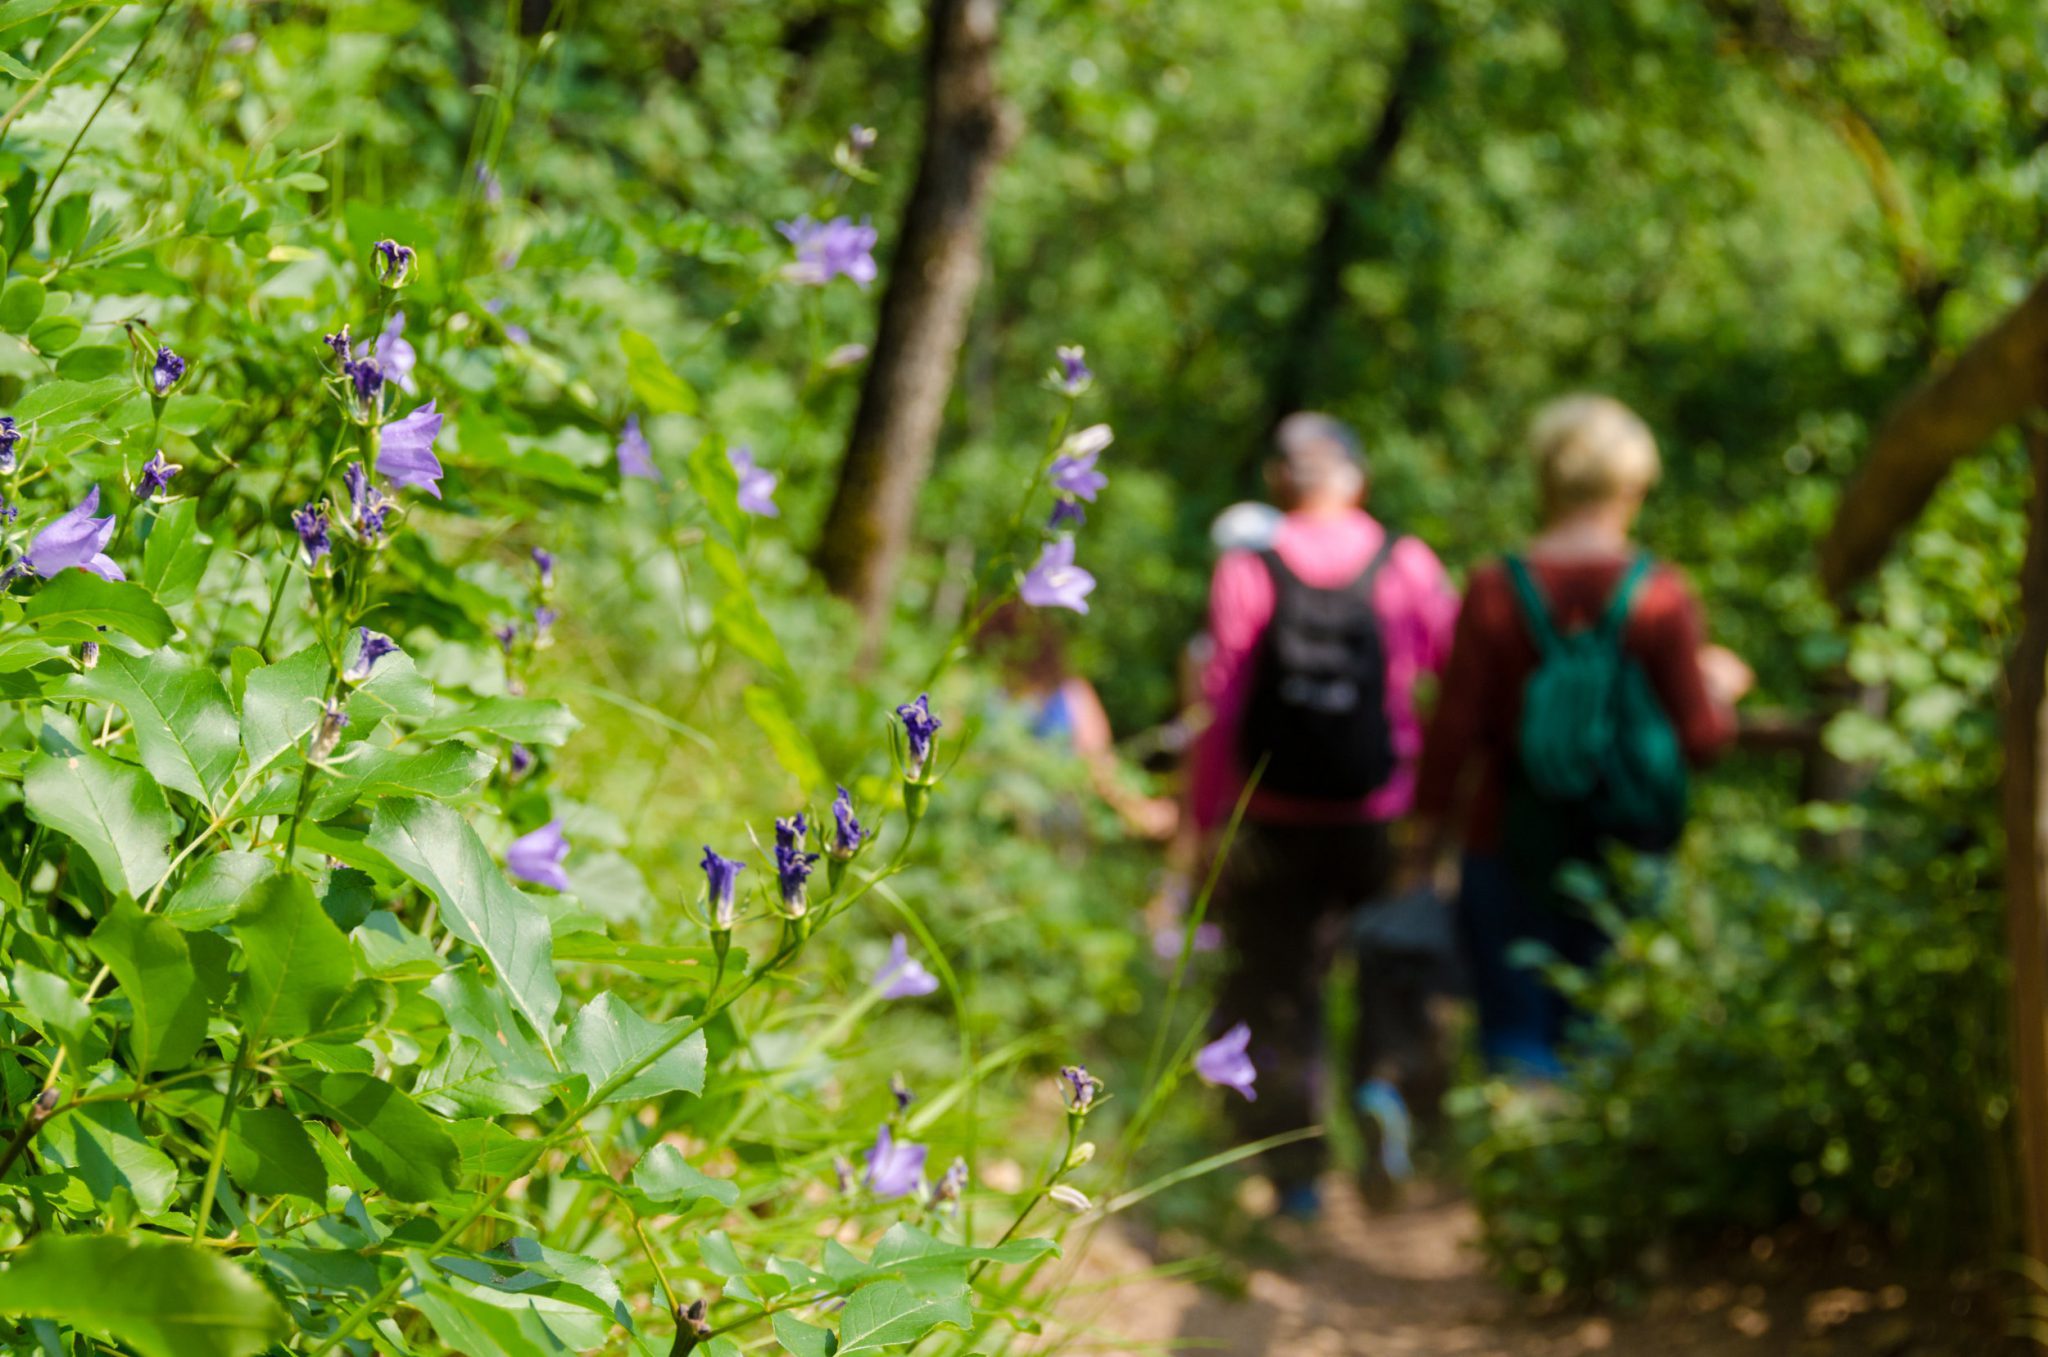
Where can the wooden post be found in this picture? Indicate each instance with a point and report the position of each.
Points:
(2026, 852)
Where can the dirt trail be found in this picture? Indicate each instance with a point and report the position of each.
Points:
(1411, 1285)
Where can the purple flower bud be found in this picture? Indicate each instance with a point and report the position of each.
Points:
(847, 834)
(156, 474)
(1066, 513)
(1078, 1088)
(757, 487)
(1074, 375)
(405, 452)
(635, 457)
(371, 646)
(900, 1091)
(521, 759)
(903, 976)
(77, 539)
(721, 875)
(1223, 1063)
(339, 342)
(10, 438)
(793, 868)
(168, 370)
(832, 249)
(368, 506)
(89, 656)
(860, 140)
(393, 262)
(366, 380)
(311, 523)
(792, 832)
(333, 720)
(508, 636)
(1055, 581)
(537, 857)
(895, 1167)
(919, 726)
(544, 562)
(953, 1183)
(544, 619)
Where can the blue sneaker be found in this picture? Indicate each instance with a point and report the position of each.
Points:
(1381, 1104)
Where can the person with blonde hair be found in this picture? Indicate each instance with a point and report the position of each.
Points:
(1579, 689)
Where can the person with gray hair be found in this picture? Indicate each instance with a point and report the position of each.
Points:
(1318, 639)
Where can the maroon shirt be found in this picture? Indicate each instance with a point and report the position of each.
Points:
(1473, 731)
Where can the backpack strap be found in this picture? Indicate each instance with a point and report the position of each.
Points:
(1616, 616)
(1370, 576)
(1535, 611)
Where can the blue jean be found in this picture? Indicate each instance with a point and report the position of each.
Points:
(1522, 1017)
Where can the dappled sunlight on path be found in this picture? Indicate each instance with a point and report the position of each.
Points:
(1413, 1285)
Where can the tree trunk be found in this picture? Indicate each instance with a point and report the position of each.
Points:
(2026, 854)
(1360, 178)
(932, 278)
(1999, 377)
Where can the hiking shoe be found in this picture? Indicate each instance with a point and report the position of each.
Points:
(1389, 1133)
(1300, 1201)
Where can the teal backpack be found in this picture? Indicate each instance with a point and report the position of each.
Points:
(1594, 738)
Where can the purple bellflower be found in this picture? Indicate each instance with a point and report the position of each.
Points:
(757, 486)
(537, 857)
(339, 342)
(1055, 581)
(1066, 513)
(519, 761)
(895, 1167)
(156, 475)
(635, 457)
(371, 647)
(1223, 1063)
(544, 619)
(166, 372)
(405, 455)
(1078, 1088)
(10, 438)
(847, 834)
(1074, 475)
(544, 563)
(831, 249)
(1074, 375)
(311, 524)
(366, 383)
(919, 725)
(76, 539)
(368, 505)
(721, 876)
(395, 354)
(903, 976)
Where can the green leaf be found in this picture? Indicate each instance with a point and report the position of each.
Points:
(269, 1152)
(61, 402)
(665, 1177)
(175, 556)
(161, 1298)
(739, 618)
(103, 1146)
(524, 720)
(184, 728)
(396, 688)
(299, 964)
(390, 951)
(403, 1148)
(801, 1339)
(434, 846)
(52, 1005)
(17, 12)
(654, 383)
(218, 887)
(74, 605)
(150, 959)
(93, 361)
(887, 1314)
(446, 771)
(68, 220)
(115, 812)
(54, 334)
(905, 1248)
(281, 704)
(20, 303)
(608, 1037)
(15, 69)
(658, 962)
(791, 747)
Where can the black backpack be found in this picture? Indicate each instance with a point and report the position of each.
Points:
(1317, 717)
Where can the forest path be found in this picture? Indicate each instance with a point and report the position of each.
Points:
(1412, 1285)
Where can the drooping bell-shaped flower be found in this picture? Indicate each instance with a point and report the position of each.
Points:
(895, 1168)
(405, 453)
(831, 249)
(1055, 581)
(635, 457)
(903, 976)
(1225, 1063)
(371, 646)
(537, 857)
(757, 486)
(77, 539)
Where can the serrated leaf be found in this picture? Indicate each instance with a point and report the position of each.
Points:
(887, 1314)
(403, 1148)
(184, 728)
(436, 848)
(299, 965)
(175, 556)
(167, 1006)
(608, 1038)
(157, 1296)
(52, 403)
(73, 606)
(115, 812)
(281, 704)
(525, 720)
